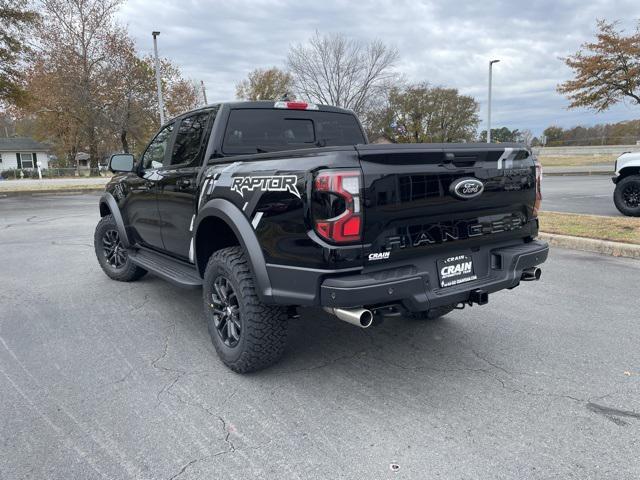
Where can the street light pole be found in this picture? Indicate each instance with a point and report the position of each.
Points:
(204, 92)
(158, 82)
(489, 103)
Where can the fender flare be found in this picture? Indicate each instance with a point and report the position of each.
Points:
(633, 167)
(629, 160)
(246, 235)
(108, 200)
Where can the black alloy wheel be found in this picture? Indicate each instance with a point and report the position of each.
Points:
(114, 251)
(226, 312)
(631, 195)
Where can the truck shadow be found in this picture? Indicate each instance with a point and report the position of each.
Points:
(321, 343)
(400, 344)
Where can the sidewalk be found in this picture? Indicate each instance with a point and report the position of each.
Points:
(606, 169)
(52, 185)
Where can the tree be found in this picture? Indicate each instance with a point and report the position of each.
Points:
(180, 94)
(89, 89)
(553, 134)
(15, 19)
(501, 135)
(525, 136)
(130, 99)
(74, 36)
(335, 70)
(605, 71)
(421, 113)
(269, 84)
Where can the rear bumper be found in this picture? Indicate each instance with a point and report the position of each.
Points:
(415, 285)
(418, 288)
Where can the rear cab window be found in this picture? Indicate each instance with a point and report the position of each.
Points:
(261, 130)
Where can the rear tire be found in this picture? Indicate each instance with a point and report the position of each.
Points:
(112, 255)
(626, 196)
(433, 313)
(247, 334)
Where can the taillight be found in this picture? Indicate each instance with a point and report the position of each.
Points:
(337, 214)
(294, 105)
(536, 205)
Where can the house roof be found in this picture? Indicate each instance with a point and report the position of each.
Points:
(22, 144)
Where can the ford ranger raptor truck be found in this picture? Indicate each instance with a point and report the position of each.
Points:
(269, 206)
(626, 195)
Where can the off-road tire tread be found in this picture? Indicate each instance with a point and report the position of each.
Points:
(263, 326)
(131, 272)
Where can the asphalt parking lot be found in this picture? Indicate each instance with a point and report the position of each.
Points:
(590, 194)
(100, 379)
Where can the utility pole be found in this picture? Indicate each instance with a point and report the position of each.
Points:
(204, 92)
(158, 82)
(489, 103)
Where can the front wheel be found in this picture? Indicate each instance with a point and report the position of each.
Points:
(247, 334)
(111, 253)
(627, 196)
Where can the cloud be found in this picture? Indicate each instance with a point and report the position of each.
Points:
(443, 42)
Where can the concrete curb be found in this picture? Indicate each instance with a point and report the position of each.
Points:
(53, 191)
(616, 249)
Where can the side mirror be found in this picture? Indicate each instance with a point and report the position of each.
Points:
(121, 162)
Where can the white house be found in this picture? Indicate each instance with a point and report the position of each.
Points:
(22, 152)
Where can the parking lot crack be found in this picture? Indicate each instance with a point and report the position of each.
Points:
(137, 307)
(613, 414)
(223, 423)
(494, 365)
(165, 348)
(184, 468)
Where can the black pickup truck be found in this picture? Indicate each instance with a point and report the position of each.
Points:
(269, 206)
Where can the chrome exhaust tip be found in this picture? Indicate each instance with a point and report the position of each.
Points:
(531, 274)
(360, 317)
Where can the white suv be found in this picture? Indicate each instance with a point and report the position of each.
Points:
(626, 196)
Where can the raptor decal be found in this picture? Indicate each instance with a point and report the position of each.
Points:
(270, 183)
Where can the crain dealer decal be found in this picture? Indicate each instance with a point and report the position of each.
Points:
(379, 256)
(272, 183)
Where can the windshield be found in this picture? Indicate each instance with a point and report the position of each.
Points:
(268, 130)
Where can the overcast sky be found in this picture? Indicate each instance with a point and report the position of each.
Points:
(446, 43)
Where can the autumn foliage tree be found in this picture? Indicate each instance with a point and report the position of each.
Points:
(606, 71)
(89, 90)
(16, 18)
(422, 113)
(265, 84)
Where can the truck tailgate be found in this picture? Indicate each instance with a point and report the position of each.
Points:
(412, 206)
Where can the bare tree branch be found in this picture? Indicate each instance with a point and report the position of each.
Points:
(335, 70)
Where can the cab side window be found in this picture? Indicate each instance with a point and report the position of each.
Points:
(190, 139)
(154, 155)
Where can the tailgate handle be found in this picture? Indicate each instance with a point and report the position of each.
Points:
(460, 161)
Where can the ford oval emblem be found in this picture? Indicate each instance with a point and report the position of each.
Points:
(466, 188)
